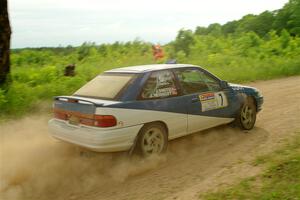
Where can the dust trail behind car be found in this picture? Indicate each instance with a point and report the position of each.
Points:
(35, 166)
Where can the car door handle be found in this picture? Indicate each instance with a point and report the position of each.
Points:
(194, 100)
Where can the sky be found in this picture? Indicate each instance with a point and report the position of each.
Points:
(52, 23)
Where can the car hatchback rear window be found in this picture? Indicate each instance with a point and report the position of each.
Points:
(105, 86)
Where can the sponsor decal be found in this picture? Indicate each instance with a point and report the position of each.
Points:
(206, 96)
(212, 101)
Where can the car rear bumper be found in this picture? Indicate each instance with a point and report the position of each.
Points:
(95, 139)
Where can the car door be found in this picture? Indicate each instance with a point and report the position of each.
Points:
(208, 104)
(160, 97)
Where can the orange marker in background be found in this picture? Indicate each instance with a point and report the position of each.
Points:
(158, 52)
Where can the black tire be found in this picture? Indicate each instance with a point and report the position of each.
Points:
(152, 140)
(246, 117)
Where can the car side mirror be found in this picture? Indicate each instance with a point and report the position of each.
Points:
(224, 84)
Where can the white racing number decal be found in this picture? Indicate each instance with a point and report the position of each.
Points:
(212, 101)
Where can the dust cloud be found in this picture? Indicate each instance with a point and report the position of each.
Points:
(35, 166)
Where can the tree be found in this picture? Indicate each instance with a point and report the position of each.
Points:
(288, 18)
(214, 29)
(184, 40)
(294, 22)
(200, 30)
(5, 33)
(263, 23)
(230, 27)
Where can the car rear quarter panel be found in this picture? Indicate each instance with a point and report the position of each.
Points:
(175, 122)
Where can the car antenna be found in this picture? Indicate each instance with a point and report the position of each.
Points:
(171, 61)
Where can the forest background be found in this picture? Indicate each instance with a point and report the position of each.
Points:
(255, 47)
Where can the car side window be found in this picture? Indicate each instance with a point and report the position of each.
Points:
(196, 81)
(212, 83)
(160, 84)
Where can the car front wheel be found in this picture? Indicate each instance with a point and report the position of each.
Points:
(247, 115)
(152, 140)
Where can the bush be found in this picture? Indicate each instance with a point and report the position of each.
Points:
(37, 74)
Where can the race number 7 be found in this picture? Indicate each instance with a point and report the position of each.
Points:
(221, 99)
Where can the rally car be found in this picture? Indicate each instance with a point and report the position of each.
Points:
(140, 108)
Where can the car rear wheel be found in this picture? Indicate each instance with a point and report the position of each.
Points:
(247, 115)
(152, 140)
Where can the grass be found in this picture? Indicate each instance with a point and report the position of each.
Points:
(281, 180)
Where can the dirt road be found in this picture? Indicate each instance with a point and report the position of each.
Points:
(35, 166)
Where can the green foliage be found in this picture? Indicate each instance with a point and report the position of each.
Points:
(183, 41)
(2, 99)
(286, 18)
(289, 18)
(245, 57)
(19, 96)
(37, 74)
(255, 47)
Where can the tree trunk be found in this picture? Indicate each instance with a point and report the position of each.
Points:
(5, 33)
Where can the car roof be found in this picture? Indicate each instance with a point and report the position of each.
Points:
(148, 68)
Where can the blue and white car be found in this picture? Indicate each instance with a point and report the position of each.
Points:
(140, 108)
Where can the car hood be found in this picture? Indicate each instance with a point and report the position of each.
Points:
(238, 86)
(245, 89)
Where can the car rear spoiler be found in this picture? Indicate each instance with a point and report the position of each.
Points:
(80, 100)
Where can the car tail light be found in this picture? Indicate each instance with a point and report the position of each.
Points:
(105, 121)
(60, 115)
(92, 120)
(87, 122)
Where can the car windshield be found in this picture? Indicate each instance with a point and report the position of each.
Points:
(105, 86)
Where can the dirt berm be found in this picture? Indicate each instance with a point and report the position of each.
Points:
(34, 166)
